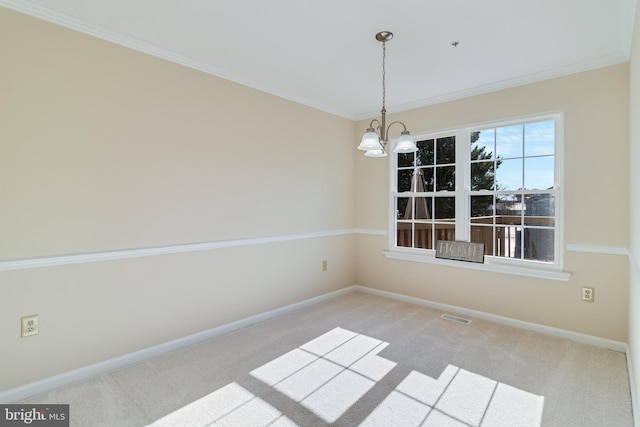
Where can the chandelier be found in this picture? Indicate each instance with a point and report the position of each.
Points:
(375, 139)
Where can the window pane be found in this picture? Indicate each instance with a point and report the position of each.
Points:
(446, 150)
(509, 141)
(423, 236)
(445, 178)
(507, 242)
(404, 180)
(540, 209)
(428, 173)
(538, 244)
(418, 180)
(482, 144)
(405, 160)
(482, 176)
(538, 173)
(539, 138)
(484, 235)
(508, 209)
(424, 153)
(415, 208)
(445, 231)
(401, 207)
(422, 208)
(509, 174)
(404, 235)
(482, 209)
(445, 208)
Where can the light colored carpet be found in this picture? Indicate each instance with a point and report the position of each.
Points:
(361, 359)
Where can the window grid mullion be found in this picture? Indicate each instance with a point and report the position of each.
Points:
(463, 185)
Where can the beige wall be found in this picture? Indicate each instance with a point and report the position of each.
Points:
(103, 148)
(634, 305)
(595, 106)
(107, 148)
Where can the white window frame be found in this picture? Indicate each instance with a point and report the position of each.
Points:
(532, 268)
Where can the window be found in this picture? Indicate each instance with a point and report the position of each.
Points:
(495, 184)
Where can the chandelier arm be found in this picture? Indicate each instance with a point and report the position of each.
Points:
(404, 128)
(381, 133)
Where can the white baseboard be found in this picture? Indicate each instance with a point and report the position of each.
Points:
(39, 387)
(548, 330)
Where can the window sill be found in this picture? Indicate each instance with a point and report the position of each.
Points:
(540, 272)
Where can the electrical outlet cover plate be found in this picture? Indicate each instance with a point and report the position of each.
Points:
(30, 326)
(587, 294)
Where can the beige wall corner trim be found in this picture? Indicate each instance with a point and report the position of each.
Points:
(557, 332)
(593, 249)
(635, 268)
(48, 384)
(23, 264)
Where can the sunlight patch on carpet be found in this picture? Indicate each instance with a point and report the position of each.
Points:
(231, 405)
(331, 373)
(328, 374)
(456, 398)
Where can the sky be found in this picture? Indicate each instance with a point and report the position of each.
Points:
(526, 152)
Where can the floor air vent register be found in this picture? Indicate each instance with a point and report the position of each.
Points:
(456, 319)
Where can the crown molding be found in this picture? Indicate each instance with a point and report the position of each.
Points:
(603, 61)
(145, 47)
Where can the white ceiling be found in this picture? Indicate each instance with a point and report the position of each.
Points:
(324, 53)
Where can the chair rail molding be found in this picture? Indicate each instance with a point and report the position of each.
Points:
(28, 263)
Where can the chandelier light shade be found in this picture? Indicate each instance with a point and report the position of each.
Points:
(375, 139)
(375, 153)
(405, 144)
(370, 140)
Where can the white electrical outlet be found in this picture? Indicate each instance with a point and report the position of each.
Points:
(587, 294)
(29, 325)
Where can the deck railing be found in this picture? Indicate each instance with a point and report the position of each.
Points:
(511, 239)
